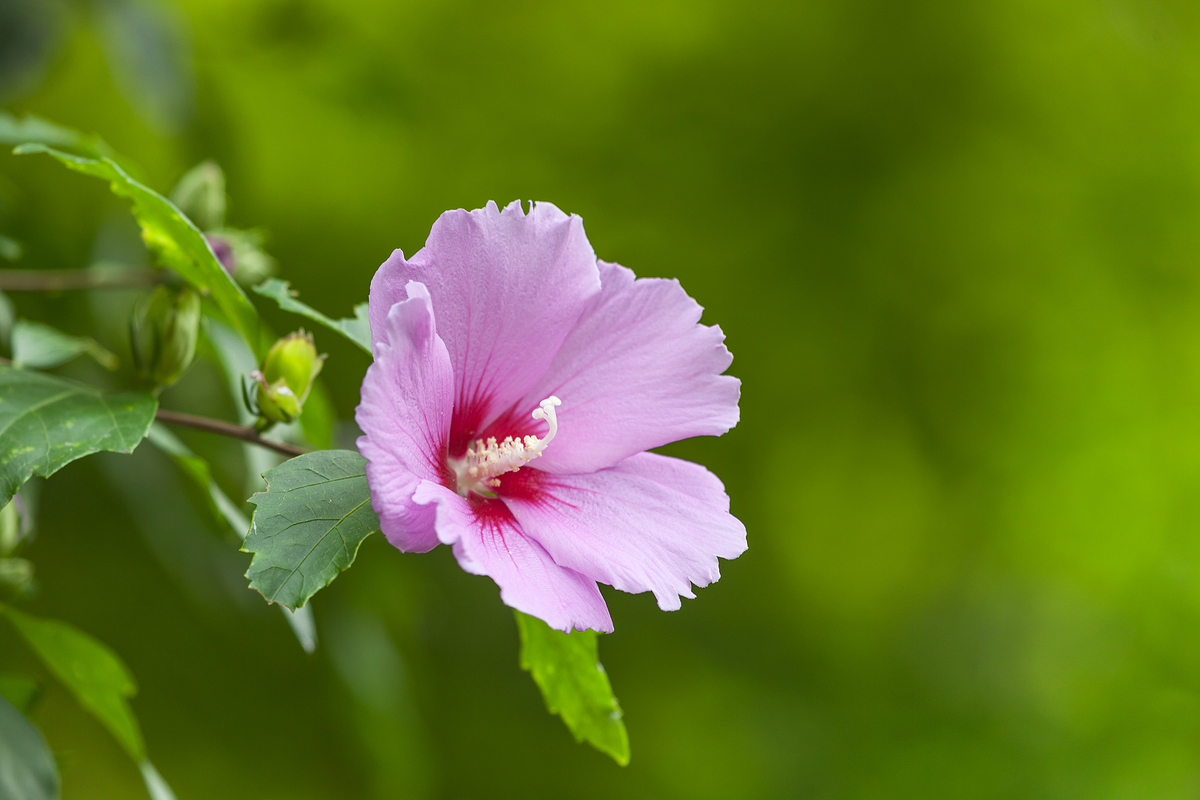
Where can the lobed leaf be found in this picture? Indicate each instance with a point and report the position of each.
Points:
(174, 239)
(27, 770)
(308, 525)
(574, 684)
(48, 422)
(41, 347)
(93, 674)
(357, 330)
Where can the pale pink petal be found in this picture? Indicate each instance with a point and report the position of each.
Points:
(407, 402)
(651, 523)
(636, 372)
(507, 288)
(488, 541)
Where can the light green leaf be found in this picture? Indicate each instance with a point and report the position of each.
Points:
(308, 525)
(47, 422)
(27, 770)
(35, 130)
(573, 682)
(93, 673)
(357, 330)
(176, 241)
(227, 513)
(40, 347)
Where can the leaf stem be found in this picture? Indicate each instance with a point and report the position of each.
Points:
(223, 428)
(57, 280)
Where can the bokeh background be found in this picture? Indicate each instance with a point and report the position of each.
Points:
(955, 248)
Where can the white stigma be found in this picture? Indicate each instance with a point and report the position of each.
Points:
(487, 460)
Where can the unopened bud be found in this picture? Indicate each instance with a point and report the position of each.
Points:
(163, 333)
(200, 194)
(291, 366)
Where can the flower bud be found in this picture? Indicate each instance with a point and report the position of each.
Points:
(200, 194)
(163, 333)
(291, 366)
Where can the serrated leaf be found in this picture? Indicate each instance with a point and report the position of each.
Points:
(27, 770)
(47, 422)
(575, 686)
(39, 346)
(357, 330)
(308, 525)
(94, 674)
(174, 239)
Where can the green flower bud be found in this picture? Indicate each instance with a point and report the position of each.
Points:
(200, 194)
(163, 333)
(291, 366)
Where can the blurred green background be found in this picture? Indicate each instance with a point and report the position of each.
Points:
(955, 248)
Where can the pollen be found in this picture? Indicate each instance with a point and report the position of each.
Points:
(487, 460)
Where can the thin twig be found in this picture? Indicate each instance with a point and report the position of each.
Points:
(220, 426)
(57, 280)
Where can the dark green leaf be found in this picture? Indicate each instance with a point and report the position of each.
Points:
(47, 422)
(40, 347)
(308, 524)
(92, 672)
(567, 670)
(176, 241)
(27, 770)
(357, 330)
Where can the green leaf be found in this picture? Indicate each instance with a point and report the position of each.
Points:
(40, 347)
(27, 770)
(93, 674)
(176, 241)
(308, 525)
(573, 682)
(357, 330)
(35, 130)
(47, 422)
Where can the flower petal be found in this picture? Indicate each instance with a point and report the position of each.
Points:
(651, 523)
(407, 403)
(488, 541)
(636, 372)
(507, 287)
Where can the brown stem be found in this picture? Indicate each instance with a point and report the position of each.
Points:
(57, 280)
(220, 426)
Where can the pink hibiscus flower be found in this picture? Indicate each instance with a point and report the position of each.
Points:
(517, 384)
